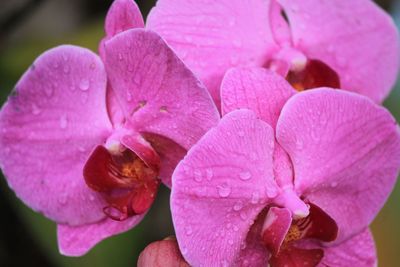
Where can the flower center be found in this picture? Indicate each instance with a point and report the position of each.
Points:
(315, 74)
(127, 183)
(281, 233)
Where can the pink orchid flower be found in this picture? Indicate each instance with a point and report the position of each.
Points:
(294, 184)
(353, 45)
(87, 141)
(164, 253)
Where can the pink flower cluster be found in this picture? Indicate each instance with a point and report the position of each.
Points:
(290, 172)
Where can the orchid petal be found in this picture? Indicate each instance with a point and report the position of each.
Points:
(78, 240)
(257, 89)
(212, 36)
(158, 94)
(170, 154)
(123, 15)
(357, 251)
(218, 183)
(345, 152)
(355, 38)
(49, 126)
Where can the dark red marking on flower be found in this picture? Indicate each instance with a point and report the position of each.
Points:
(317, 225)
(128, 185)
(295, 257)
(315, 74)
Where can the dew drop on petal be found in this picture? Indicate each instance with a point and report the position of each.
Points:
(188, 230)
(35, 109)
(243, 215)
(255, 197)
(63, 122)
(198, 176)
(238, 206)
(299, 144)
(84, 84)
(245, 175)
(271, 192)
(209, 174)
(224, 190)
(66, 69)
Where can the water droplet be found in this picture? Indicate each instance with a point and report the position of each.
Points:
(63, 199)
(255, 197)
(299, 144)
(183, 54)
(198, 176)
(230, 242)
(315, 135)
(84, 84)
(238, 206)
(334, 184)
(120, 56)
(229, 225)
(66, 69)
(35, 109)
(243, 215)
(188, 230)
(91, 198)
(224, 190)
(271, 192)
(235, 228)
(245, 175)
(184, 250)
(241, 133)
(65, 57)
(63, 122)
(55, 64)
(209, 174)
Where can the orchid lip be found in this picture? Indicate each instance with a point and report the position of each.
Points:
(128, 184)
(282, 230)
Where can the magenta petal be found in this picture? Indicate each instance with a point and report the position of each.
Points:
(257, 89)
(345, 152)
(170, 154)
(157, 92)
(78, 240)
(357, 251)
(355, 38)
(226, 179)
(123, 15)
(275, 227)
(213, 36)
(49, 126)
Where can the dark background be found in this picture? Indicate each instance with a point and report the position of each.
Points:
(29, 27)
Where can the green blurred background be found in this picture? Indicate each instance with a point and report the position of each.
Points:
(29, 27)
